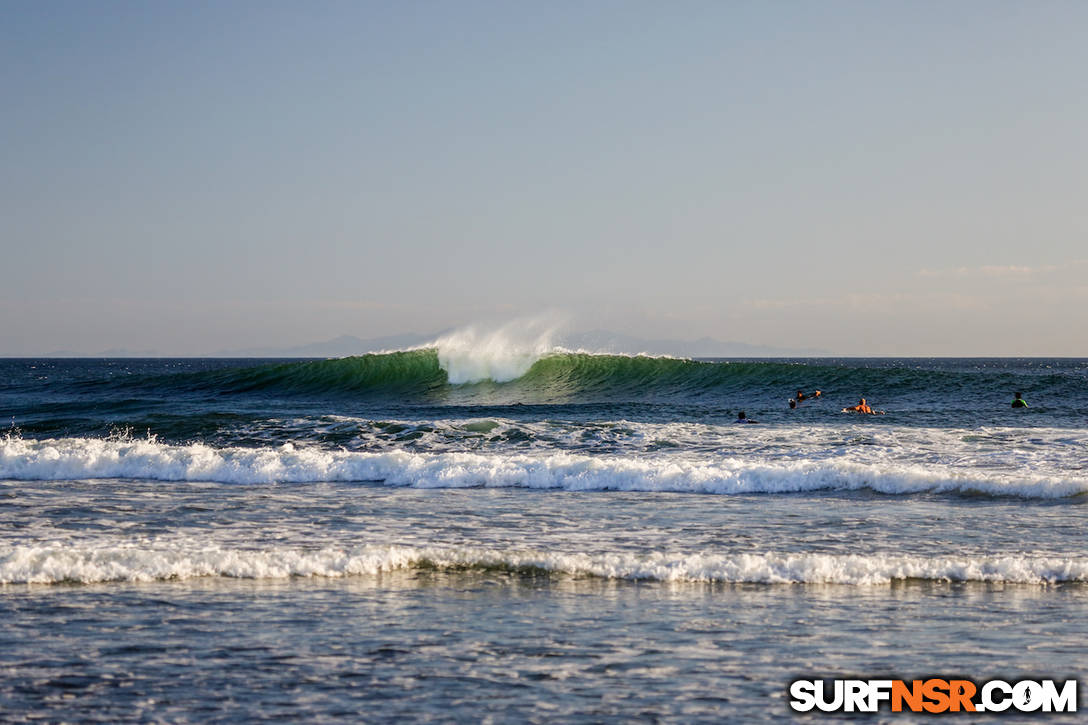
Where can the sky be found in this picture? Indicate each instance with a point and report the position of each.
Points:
(890, 178)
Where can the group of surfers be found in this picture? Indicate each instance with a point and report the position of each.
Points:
(862, 407)
(801, 395)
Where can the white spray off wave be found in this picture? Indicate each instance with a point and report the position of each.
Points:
(474, 354)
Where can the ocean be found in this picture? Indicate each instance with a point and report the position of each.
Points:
(511, 536)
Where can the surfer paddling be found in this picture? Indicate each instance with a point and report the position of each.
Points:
(811, 396)
(742, 418)
(862, 407)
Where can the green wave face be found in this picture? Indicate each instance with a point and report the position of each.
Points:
(411, 372)
(565, 377)
(417, 377)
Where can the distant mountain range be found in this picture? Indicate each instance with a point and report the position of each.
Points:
(112, 352)
(342, 346)
(606, 341)
(593, 341)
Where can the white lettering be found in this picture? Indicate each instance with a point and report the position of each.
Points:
(1065, 701)
(855, 697)
(821, 700)
(996, 705)
(879, 691)
(1027, 696)
(993, 696)
(803, 694)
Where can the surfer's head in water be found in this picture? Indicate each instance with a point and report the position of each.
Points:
(793, 403)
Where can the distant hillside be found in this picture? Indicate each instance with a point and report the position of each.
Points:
(594, 341)
(607, 341)
(112, 352)
(342, 346)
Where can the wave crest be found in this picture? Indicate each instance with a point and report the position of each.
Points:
(473, 355)
(487, 368)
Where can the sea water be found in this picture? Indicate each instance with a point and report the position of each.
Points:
(540, 536)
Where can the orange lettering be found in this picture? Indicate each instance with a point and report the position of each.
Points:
(961, 692)
(913, 696)
(936, 691)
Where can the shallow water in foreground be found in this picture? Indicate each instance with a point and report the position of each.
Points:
(332, 602)
(505, 648)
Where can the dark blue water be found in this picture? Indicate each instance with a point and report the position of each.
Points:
(591, 540)
(183, 399)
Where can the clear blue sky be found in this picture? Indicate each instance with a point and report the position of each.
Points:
(869, 178)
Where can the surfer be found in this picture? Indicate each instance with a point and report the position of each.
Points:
(793, 403)
(801, 395)
(862, 407)
(742, 418)
(1018, 402)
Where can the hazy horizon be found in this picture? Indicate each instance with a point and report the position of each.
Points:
(873, 180)
(492, 337)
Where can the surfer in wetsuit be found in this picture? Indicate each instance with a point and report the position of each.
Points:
(1018, 402)
(742, 418)
(801, 395)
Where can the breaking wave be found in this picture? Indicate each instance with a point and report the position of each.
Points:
(147, 459)
(433, 375)
(481, 369)
(188, 559)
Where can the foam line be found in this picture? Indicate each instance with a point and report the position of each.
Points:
(189, 559)
(89, 458)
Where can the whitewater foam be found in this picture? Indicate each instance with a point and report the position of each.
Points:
(189, 559)
(148, 459)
